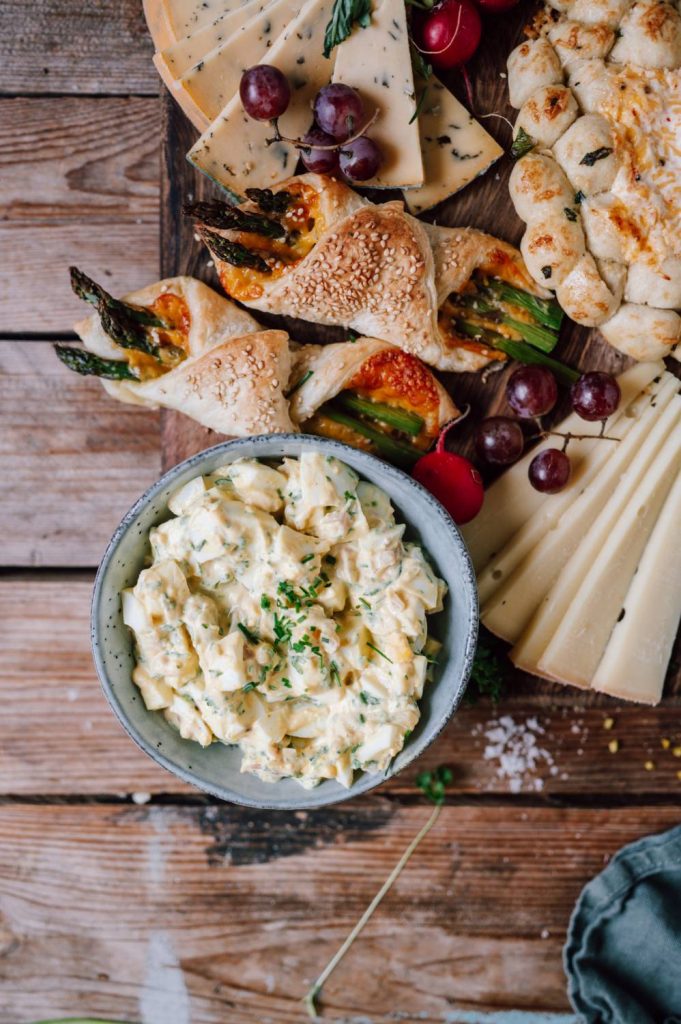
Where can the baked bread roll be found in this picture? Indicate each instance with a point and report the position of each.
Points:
(200, 355)
(334, 258)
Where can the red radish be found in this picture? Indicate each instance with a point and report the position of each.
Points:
(453, 480)
(451, 33)
(497, 5)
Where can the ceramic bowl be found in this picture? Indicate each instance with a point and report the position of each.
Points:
(216, 769)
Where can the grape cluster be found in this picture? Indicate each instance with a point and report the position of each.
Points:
(335, 143)
(532, 392)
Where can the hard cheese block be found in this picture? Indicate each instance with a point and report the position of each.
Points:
(157, 23)
(454, 147)
(234, 151)
(528, 652)
(186, 16)
(511, 499)
(511, 608)
(376, 61)
(173, 60)
(635, 661)
(577, 646)
(211, 84)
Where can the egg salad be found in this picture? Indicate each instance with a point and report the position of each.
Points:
(283, 611)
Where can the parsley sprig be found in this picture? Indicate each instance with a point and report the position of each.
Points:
(343, 17)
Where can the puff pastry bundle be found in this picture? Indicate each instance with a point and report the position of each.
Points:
(179, 345)
(598, 87)
(314, 249)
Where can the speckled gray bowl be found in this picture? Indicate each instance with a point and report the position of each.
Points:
(216, 769)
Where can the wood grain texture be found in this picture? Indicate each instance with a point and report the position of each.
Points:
(47, 676)
(66, 46)
(79, 183)
(72, 460)
(172, 915)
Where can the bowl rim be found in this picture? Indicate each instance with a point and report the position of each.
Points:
(369, 780)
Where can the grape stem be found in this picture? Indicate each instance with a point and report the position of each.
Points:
(574, 437)
(308, 146)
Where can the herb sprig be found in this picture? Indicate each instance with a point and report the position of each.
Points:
(343, 17)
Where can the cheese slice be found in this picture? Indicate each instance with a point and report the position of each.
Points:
(635, 662)
(498, 571)
(577, 646)
(234, 150)
(177, 57)
(454, 147)
(511, 499)
(510, 609)
(157, 23)
(377, 62)
(186, 16)
(528, 652)
(205, 89)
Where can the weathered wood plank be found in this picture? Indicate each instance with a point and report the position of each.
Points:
(72, 460)
(64, 46)
(49, 690)
(206, 914)
(79, 183)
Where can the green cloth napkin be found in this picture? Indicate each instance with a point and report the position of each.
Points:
(623, 951)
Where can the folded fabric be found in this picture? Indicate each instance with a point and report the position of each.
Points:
(623, 952)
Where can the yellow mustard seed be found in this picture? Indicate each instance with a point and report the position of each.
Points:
(649, 766)
(608, 723)
(665, 743)
(676, 751)
(678, 775)
(614, 746)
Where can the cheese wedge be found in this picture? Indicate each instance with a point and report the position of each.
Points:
(528, 652)
(157, 23)
(511, 499)
(186, 16)
(376, 60)
(205, 89)
(578, 644)
(497, 572)
(635, 662)
(510, 609)
(234, 150)
(177, 57)
(454, 147)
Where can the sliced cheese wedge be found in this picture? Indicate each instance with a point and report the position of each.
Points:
(376, 60)
(578, 644)
(497, 572)
(234, 150)
(454, 147)
(177, 57)
(508, 612)
(205, 89)
(511, 499)
(157, 23)
(528, 652)
(186, 16)
(635, 662)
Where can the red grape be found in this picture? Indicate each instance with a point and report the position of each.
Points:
(595, 396)
(497, 5)
(531, 391)
(451, 33)
(361, 159)
(320, 161)
(265, 92)
(339, 111)
(549, 471)
(454, 481)
(499, 440)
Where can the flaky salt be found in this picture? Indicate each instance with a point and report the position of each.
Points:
(514, 746)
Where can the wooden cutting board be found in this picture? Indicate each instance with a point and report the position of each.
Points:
(484, 204)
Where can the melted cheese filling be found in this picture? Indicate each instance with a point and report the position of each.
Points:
(284, 612)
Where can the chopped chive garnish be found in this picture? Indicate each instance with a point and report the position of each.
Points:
(379, 651)
(249, 634)
(307, 558)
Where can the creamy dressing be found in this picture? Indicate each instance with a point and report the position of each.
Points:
(284, 612)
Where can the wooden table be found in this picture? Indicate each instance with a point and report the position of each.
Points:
(123, 893)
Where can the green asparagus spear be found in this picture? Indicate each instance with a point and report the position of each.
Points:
(87, 364)
(234, 253)
(544, 311)
(88, 290)
(269, 201)
(393, 451)
(216, 214)
(124, 330)
(516, 349)
(400, 419)
(534, 334)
